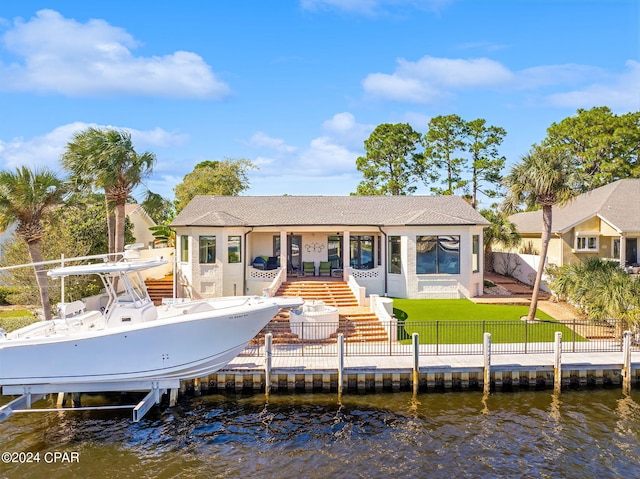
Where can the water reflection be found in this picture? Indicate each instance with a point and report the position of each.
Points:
(526, 434)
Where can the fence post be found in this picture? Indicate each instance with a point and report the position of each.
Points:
(437, 338)
(557, 364)
(340, 364)
(268, 350)
(626, 360)
(487, 362)
(416, 361)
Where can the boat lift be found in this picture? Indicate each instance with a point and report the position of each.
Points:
(34, 392)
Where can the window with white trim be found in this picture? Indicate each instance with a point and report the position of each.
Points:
(586, 243)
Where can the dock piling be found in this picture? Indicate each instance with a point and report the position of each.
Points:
(340, 364)
(626, 362)
(416, 361)
(486, 350)
(268, 352)
(557, 363)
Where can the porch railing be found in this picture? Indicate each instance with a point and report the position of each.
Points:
(393, 338)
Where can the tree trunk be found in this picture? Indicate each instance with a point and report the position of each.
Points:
(41, 277)
(119, 230)
(488, 259)
(111, 226)
(546, 237)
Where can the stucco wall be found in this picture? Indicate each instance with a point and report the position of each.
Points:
(522, 267)
(222, 278)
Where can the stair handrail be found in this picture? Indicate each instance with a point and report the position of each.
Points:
(360, 292)
(271, 290)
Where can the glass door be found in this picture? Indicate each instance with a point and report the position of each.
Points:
(335, 251)
(294, 252)
(632, 251)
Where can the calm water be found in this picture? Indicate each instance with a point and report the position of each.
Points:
(581, 434)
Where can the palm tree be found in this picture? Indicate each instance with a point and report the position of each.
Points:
(105, 158)
(26, 198)
(543, 178)
(501, 230)
(601, 289)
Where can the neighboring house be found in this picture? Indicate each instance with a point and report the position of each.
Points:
(141, 223)
(603, 223)
(403, 246)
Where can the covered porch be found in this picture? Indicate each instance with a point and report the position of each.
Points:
(321, 254)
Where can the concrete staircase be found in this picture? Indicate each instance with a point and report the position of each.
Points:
(333, 293)
(160, 288)
(357, 324)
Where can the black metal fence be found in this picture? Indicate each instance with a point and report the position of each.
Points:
(393, 338)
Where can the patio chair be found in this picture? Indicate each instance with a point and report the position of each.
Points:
(272, 263)
(308, 268)
(324, 269)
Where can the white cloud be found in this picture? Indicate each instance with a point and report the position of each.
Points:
(622, 92)
(45, 150)
(550, 75)
(156, 138)
(325, 157)
(331, 154)
(430, 79)
(344, 128)
(262, 140)
(60, 55)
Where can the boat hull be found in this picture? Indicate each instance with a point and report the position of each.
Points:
(186, 347)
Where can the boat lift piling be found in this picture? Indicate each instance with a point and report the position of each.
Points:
(31, 394)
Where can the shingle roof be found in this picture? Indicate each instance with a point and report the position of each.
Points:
(327, 210)
(617, 203)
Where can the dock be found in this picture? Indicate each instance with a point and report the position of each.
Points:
(425, 373)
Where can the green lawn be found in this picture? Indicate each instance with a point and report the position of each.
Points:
(460, 321)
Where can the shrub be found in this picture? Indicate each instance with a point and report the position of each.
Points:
(5, 293)
(12, 320)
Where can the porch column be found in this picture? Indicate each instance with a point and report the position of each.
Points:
(346, 247)
(623, 251)
(284, 256)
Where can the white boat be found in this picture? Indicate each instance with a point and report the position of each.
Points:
(126, 339)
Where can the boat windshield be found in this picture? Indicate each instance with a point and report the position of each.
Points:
(135, 289)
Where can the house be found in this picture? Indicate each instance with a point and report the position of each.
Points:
(141, 222)
(603, 223)
(403, 246)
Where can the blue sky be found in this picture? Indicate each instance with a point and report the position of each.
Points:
(296, 86)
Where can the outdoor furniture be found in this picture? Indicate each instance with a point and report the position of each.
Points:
(272, 262)
(259, 263)
(324, 269)
(308, 268)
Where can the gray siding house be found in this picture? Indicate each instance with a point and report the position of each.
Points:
(401, 246)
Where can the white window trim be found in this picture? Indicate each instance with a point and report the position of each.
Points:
(613, 241)
(587, 236)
